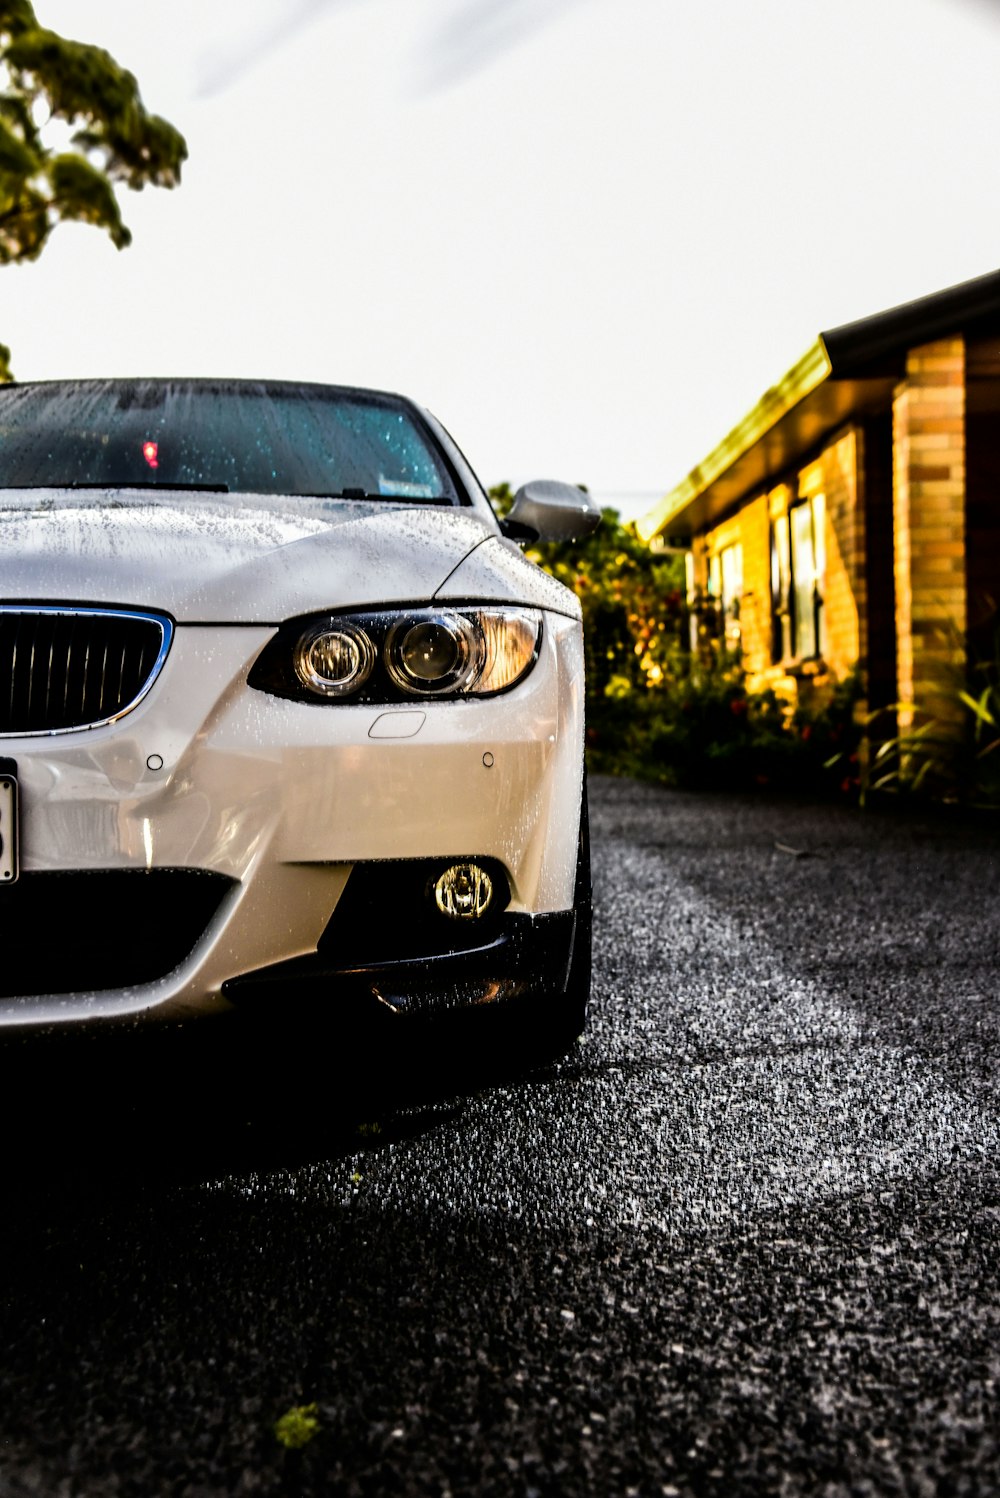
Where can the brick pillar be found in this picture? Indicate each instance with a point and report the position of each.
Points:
(928, 482)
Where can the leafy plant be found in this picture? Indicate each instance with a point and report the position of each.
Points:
(634, 611)
(297, 1426)
(700, 728)
(951, 753)
(72, 126)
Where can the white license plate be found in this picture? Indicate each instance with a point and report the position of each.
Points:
(8, 829)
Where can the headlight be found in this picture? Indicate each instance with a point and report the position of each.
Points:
(510, 639)
(389, 657)
(430, 654)
(334, 660)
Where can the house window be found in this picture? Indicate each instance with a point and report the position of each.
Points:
(798, 574)
(725, 586)
(781, 591)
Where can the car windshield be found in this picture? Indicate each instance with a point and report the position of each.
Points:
(243, 437)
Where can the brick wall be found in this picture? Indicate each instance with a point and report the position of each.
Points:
(929, 524)
(835, 474)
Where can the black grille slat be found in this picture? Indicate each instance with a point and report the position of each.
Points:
(103, 677)
(83, 676)
(68, 669)
(122, 658)
(74, 668)
(13, 665)
(30, 679)
(48, 674)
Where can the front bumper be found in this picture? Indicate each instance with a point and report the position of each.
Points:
(252, 811)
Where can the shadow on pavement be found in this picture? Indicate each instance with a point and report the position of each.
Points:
(97, 1117)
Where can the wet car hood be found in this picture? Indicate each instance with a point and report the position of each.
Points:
(227, 561)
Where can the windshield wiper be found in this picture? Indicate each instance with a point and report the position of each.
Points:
(135, 484)
(405, 499)
(122, 484)
(357, 494)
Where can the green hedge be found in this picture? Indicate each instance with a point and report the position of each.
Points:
(700, 729)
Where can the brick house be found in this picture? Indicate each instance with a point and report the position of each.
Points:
(853, 516)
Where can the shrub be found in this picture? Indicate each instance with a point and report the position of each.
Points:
(700, 728)
(634, 612)
(952, 753)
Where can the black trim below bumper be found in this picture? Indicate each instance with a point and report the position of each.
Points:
(528, 957)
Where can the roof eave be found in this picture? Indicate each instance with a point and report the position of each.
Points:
(864, 358)
(801, 380)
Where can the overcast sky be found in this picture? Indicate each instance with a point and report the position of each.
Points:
(587, 233)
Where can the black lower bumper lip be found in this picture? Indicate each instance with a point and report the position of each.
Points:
(528, 956)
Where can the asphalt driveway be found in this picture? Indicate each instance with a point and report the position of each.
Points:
(745, 1238)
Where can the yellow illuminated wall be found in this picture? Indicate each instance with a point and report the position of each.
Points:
(835, 475)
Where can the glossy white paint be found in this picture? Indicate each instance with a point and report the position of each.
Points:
(496, 571)
(262, 561)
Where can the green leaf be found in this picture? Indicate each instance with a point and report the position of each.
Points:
(81, 192)
(24, 225)
(17, 118)
(17, 160)
(297, 1426)
(16, 16)
(79, 81)
(928, 766)
(980, 707)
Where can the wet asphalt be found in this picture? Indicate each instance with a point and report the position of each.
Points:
(744, 1238)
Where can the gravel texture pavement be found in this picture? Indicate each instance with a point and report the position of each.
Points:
(745, 1238)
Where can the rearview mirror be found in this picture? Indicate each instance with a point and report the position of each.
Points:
(545, 510)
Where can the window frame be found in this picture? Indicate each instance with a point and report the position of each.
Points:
(789, 634)
(725, 589)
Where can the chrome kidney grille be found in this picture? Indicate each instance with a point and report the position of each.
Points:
(63, 669)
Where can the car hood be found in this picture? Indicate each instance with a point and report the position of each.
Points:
(207, 560)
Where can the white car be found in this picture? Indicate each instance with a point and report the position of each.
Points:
(287, 717)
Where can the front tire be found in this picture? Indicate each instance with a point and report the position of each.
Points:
(569, 1014)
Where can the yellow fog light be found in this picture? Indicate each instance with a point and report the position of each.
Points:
(464, 892)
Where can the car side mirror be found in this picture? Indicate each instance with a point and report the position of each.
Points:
(545, 510)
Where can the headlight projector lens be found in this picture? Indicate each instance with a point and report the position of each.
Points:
(464, 892)
(434, 653)
(335, 659)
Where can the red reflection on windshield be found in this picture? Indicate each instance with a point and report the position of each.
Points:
(149, 452)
